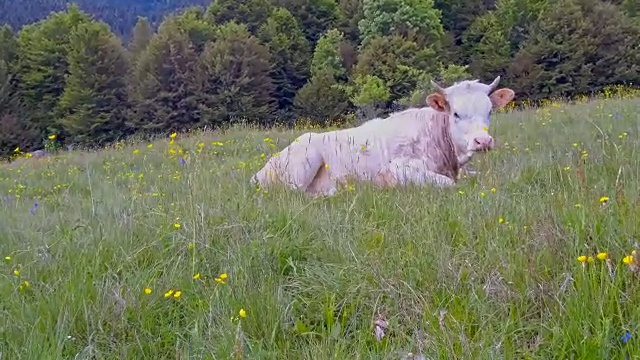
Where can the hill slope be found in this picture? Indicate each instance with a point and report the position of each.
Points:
(121, 15)
(496, 254)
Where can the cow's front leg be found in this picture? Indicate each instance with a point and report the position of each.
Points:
(416, 171)
(466, 171)
(464, 158)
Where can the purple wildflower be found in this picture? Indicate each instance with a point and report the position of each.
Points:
(34, 208)
(626, 337)
(182, 161)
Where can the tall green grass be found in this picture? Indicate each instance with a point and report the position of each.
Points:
(486, 270)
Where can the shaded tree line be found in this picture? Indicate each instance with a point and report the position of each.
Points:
(282, 61)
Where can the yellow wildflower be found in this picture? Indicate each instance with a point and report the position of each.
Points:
(590, 259)
(177, 294)
(220, 279)
(52, 137)
(16, 272)
(150, 146)
(493, 190)
(501, 220)
(7, 258)
(242, 313)
(602, 256)
(147, 291)
(173, 135)
(483, 194)
(168, 293)
(172, 142)
(627, 259)
(177, 225)
(326, 166)
(566, 168)
(582, 258)
(604, 199)
(136, 152)
(196, 276)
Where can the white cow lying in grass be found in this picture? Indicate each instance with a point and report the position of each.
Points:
(418, 145)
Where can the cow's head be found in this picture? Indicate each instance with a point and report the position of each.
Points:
(469, 105)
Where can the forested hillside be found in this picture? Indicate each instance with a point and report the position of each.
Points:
(121, 15)
(265, 61)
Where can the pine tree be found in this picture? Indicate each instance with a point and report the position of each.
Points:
(195, 23)
(165, 87)
(400, 63)
(351, 12)
(370, 95)
(458, 15)
(17, 133)
(415, 20)
(321, 100)
(315, 16)
(6, 88)
(42, 64)
(8, 54)
(252, 13)
(327, 55)
(577, 47)
(14, 130)
(8, 44)
(142, 35)
(616, 60)
(93, 106)
(632, 8)
(289, 55)
(489, 51)
(235, 70)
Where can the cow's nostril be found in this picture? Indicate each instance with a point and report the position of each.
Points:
(478, 142)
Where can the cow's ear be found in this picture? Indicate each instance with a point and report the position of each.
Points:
(438, 102)
(501, 97)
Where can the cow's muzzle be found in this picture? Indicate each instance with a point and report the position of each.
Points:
(482, 143)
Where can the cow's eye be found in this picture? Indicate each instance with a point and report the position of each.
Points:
(456, 115)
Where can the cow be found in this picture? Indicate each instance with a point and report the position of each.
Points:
(427, 145)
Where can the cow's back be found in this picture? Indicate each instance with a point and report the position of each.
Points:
(363, 150)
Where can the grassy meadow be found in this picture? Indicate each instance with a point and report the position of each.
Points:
(142, 252)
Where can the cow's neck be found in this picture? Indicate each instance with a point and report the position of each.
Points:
(443, 141)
